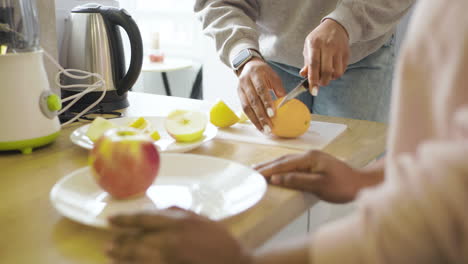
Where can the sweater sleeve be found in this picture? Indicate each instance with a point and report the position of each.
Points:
(418, 217)
(231, 23)
(368, 19)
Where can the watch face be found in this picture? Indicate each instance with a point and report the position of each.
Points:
(241, 58)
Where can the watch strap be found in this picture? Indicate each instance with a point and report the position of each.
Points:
(243, 57)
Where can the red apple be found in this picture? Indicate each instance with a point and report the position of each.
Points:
(124, 162)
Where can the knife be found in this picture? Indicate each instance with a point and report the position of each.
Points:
(303, 86)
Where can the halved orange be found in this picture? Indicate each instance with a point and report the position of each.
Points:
(291, 120)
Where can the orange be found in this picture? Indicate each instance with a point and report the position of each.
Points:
(291, 120)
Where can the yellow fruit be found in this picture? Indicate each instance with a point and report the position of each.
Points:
(291, 120)
(155, 135)
(243, 118)
(98, 127)
(140, 123)
(222, 116)
(185, 125)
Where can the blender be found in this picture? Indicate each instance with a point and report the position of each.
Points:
(28, 108)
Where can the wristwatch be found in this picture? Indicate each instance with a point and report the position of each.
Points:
(243, 57)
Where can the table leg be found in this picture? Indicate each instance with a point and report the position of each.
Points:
(166, 84)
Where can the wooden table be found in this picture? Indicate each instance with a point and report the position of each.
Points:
(33, 232)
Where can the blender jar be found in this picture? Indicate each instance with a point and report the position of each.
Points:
(19, 27)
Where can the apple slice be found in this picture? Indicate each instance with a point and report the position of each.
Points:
(98, 127)
(186, 126)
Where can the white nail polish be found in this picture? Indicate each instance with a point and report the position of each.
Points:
(314, 91)
(266, 129)
(270, 112)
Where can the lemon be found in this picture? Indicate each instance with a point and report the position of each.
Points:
(140, 123)
(222, 116)
(155, 135)
(243, 118)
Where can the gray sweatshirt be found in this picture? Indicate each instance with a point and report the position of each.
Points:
(278, 28)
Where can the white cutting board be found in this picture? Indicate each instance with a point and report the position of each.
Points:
(319, 135)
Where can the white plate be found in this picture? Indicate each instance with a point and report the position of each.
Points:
(209, 186)
(165, 144)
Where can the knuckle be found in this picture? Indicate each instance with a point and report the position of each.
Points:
(316, 42)
(326, 73)
(260, 88)
(252, 100)
(329, 43)
(315, 62)
(288, 179)
(262, 120)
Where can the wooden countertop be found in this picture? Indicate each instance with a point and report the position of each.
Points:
(33, 232)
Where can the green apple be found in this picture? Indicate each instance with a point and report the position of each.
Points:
(98, 127)
(185, 125)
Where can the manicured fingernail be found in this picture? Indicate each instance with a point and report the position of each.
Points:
(270, 112)
(266, 129)
(314, 91)
(275, 180)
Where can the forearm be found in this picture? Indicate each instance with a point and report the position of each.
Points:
(373, 174)
(296, 252)
(231, 23)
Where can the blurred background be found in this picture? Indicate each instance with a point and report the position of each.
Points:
(180, 38)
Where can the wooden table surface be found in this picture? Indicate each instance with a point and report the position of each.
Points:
(33, 232)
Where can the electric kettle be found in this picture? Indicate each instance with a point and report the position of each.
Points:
(28, 108)
(93, 43)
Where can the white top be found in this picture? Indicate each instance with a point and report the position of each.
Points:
(419, 214)
(278, 28)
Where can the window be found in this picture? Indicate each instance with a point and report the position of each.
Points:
(175, 21)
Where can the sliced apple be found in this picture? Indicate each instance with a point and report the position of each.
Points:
(186, 126)
(98, 127)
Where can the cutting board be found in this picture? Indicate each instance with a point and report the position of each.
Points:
(319, 135)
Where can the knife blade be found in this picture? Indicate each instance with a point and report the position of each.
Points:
(303, 86)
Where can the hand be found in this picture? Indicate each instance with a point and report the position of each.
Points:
(173, 236)
(316, 172)
(256, 80)
(326, 54)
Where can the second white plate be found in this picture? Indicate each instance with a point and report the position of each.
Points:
(214, 187)
(165, 144)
